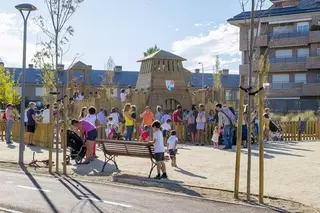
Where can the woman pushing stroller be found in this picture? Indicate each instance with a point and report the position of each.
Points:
(88, 133)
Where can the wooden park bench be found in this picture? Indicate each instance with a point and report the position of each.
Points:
(114, 148)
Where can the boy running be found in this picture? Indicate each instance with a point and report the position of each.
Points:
(172, 147)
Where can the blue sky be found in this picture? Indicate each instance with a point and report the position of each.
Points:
(124, 29)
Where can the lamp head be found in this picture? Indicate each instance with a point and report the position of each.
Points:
(26, 7)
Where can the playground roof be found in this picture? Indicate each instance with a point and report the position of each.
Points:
(164, 55)
(125, 78)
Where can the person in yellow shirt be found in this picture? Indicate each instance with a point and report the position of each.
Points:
(129, 121)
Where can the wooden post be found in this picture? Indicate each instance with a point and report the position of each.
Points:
(65, 134)
(57, 140)
(239, 135)
(50, 142)
(261, 143)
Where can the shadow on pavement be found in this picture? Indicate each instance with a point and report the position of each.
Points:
(94, 169)
(171, 185)
(80, 191)
(185, 172)
(37, 185)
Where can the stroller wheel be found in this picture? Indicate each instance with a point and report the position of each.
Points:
(78, 159)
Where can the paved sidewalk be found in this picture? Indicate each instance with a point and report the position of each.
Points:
(292, 170)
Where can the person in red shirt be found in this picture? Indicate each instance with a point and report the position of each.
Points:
(177, 115)
(144, 137)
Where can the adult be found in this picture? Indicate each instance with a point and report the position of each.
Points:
(129, 122)
(244, 137)
(201, 124)
(255, 123)
(123, 95)
(46, 115)
(92, 118)
(266, 122)
(226, 121)
(88, 133)
(102, 117)
(31, 123)
(192, 125)
(148, 119)
(177, 115)
(9, 121)
(158, 114)
(83, 113)
(115, 116)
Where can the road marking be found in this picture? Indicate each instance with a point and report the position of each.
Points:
(108, 202)
(9, 182)
(33, 188)
(9, 210)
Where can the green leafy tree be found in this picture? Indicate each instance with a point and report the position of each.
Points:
(151, 50)
(8, 90)
(217, 74)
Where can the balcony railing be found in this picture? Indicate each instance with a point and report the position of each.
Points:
(286, 60)
(286, 85)
(288, 35)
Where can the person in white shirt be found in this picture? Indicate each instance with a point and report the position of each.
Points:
(92, 118)
(102, 117)
(159, 150)
(46, 115)
(123, 95)
(166, 128)
(115, 117)
(172, 147)
(80, 97)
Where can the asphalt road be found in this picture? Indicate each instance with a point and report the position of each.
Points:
(36, 194)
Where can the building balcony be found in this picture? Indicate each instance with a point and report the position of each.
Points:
(313, 62)
(293, 89)
(314, 36)
(261, 41)
(289, 39)
(289, 64)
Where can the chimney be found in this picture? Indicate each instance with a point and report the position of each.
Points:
(90, 67)
(30, 66)
(61, 67)
(197, 70)
(118, 68)
(225, 72)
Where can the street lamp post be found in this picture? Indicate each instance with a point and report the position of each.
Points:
(23, 8)
(202, 80)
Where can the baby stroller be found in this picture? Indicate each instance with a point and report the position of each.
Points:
(275, 133)
(114, 130)
(76, 147)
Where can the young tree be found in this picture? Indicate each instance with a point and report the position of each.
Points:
(217, 74)
(8, 90)
(151, 50)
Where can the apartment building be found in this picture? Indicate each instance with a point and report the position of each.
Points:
(288, 33)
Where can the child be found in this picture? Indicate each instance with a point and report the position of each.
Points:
(159, 150)
(144, 137)
(215, 137)
(172, 147)
(166, 128)
(109, 128)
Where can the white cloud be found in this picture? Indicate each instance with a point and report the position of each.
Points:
(204, 24)
(11, 29)
(222, 40)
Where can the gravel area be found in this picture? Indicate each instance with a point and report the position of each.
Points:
(292, 169)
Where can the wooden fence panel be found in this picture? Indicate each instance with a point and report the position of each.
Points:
(2, 130)
(43, 135)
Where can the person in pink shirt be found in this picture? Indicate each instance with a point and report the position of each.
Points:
(88, 133)
(9, 120)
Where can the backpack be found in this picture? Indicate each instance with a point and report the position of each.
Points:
(4, 117)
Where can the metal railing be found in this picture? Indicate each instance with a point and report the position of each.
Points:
(288, 35)
(284, 60)
(286, 85)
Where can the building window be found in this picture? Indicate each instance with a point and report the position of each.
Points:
(287, 53)
(40, 91)
(254, 33)
(303, 26)
(283, 29)
(300, 78)
(303, 52)
(228, 95)
(280, 78)
(318, 51)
